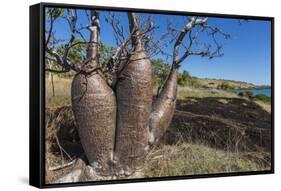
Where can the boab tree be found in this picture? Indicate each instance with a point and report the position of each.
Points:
(117, 119)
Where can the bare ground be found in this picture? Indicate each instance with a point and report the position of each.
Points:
(236, 128)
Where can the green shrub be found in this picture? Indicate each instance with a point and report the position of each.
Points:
(183, 78)
(225, 86)
(193, 81)
(263, 98)
(161, 71)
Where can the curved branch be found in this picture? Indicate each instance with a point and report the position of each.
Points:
(52, 20)
(56, 71)
(189, 26)
(72, 20)
(63, 60)
(64, 63)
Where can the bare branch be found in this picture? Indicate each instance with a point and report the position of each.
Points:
(119, 31)
(56, 71)
(52, 20)
(206, 51)
(62, 60)
(117, 57)
(191, 24)
(72, 20)
(64, 63)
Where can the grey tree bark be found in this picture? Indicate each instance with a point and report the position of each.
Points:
(94, 107)
(134, 100)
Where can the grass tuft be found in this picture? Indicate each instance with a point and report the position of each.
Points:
(191, 159)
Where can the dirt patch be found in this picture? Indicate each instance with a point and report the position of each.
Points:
(239, 125)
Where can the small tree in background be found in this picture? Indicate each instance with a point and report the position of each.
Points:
(225, 86)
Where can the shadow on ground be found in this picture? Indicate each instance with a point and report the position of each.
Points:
(229, 124)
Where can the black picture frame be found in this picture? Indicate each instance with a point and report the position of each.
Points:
(37, 95)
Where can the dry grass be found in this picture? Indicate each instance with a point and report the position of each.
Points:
(166, 160)
(215, 83)
(185, 92)
(192, 159)
(265, 106)
(182, 157)
(62, 87)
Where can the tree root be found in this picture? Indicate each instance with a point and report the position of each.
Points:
(81, 172)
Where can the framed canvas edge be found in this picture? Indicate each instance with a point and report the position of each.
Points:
(36, 91)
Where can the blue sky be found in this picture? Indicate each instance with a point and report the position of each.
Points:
(247, 55)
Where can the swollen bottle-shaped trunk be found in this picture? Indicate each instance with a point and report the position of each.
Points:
(94, 108)
(134, 100)
(163, 108)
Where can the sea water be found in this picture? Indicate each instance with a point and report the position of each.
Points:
(266, 92)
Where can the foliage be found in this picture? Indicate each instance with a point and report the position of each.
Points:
(225, 86)
(263, 98)
(106, 52)
(54, 13)
(185, 79)
(77, 55)
(193, 81)
(161, 71)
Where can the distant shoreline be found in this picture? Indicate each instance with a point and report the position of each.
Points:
(257, 87)
(237, 85)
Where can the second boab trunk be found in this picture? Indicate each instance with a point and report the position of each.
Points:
(134, 100)
(163, 108)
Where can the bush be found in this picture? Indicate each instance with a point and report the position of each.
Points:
(263, 98)
(247, 94)
(193, 81)
(185, 79)
(225, 86)
(161, 71)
